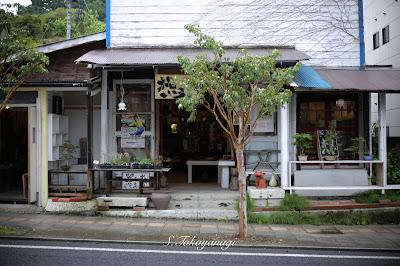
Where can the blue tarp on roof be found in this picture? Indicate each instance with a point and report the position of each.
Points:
(307, 77)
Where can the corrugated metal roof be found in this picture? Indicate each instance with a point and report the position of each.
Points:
(308, 78)
(361, 80)
(166, 56)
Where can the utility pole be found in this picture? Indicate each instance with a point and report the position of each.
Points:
(68, 3)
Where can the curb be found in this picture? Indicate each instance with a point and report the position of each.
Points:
(138, 242)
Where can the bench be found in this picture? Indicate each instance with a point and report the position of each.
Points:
(261, 154)
(67, 194)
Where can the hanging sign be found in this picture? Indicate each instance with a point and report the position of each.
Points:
(164, 89)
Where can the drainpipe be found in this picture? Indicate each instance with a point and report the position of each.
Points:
(89, 129)
(361, 24)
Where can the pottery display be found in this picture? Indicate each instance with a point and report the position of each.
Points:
(161, 199)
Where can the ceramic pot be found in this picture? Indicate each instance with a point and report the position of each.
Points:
(368, 157)
(303, 157)
(272, 181)
(330, 158)
(161, 198)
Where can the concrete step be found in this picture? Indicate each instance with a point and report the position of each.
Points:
(192, 214)
(203, 204)
(214, 195)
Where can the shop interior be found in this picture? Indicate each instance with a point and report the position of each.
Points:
(13, 153)
(181, 140)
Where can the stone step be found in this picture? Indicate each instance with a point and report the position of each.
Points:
(203, 204)
(215, 195)
(193, 214)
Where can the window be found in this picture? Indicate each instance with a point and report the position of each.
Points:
(385, 34)
(376, 40)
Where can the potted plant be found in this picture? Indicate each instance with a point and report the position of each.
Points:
(331, 138)
(303, 141)
(68, 150)
(144, 163)
(135, 163)
(355, 147)
(158, 162)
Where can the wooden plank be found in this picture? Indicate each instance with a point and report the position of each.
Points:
(54, 194)
(67, 186)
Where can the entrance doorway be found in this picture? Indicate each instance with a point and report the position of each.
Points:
(13, 153)
(202, 140)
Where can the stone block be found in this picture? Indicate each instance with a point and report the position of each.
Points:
(122, 202)
(275, 193)
(256, 193)
(274, 202)
(103, 208)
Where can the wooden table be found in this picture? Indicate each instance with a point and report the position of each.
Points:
(109, 178)
(223, 173)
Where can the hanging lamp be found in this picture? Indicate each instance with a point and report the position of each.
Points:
(122, 105)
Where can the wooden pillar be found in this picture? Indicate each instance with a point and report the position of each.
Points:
(284, 140)
(382, 148)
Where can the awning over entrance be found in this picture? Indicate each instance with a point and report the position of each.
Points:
(168, 56)
(377, 80)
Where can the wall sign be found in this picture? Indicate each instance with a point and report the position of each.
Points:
(165, 90)
(132, 131)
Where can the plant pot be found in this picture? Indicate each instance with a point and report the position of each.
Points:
(302, 157)
(368, 157)
(135, 166)
(65, 167)
(161, 199)
(104, 166)
(330, 158)
(144, 166)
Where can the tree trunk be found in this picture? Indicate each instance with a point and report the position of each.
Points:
(242, 191)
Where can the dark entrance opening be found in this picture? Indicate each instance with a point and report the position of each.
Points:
(13, 153)
(202, 140)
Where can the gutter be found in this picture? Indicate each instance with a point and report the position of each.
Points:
(361, 26)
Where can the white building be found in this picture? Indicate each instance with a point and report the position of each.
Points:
(382, 50)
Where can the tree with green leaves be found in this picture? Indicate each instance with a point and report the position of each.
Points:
(17, 62)
(232, 89)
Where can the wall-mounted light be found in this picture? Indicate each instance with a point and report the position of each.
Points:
(8, 107)
(122, 105)
(340, 103)
(174, 128)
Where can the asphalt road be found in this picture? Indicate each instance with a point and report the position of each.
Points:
(27, 252)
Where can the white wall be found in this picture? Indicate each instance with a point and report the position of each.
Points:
(310, 25)
(377, 15)
(78, 129)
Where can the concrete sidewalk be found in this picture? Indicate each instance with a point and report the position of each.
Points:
(159, 231)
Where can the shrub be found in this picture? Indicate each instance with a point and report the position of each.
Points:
(293, 202)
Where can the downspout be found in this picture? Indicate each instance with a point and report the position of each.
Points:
(361, 24)
(89, 131)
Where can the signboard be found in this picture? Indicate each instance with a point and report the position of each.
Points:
(266, 124)
(130, 180)
(165, 90)
(135, 175)
(324, 146)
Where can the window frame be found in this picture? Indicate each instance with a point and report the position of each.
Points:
(375, 40)
(385, 35)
